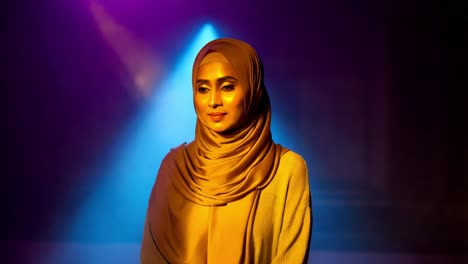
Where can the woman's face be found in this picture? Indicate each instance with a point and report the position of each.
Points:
(219, 96)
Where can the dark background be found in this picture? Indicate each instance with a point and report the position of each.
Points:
(375, 92)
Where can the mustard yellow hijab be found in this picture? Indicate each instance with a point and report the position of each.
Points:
(217, 169)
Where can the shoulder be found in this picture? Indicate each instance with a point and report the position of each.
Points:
(174, 155)
(291, 161)
(294, 167)
(169, 163)
(176, 150)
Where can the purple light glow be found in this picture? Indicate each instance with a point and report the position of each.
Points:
(142, 64)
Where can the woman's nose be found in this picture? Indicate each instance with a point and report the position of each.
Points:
(215, 99)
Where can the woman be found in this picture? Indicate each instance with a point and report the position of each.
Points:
(232, 195)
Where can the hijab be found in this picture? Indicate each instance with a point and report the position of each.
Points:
(217, 169)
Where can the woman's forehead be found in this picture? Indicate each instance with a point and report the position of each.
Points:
(216, 70)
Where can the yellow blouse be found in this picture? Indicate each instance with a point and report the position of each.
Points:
(281, 228)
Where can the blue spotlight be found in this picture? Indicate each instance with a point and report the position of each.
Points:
(116, 207)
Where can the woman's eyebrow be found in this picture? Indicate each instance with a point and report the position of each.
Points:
(226, 78)
(219, 80)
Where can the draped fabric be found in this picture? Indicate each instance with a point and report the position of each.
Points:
(214, 181)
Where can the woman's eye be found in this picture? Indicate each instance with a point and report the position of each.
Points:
(202, 90)
(228, 88)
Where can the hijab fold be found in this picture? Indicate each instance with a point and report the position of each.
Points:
(219, 169)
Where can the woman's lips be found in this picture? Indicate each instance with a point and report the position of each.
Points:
(216, 116)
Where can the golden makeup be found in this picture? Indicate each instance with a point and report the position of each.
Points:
(218, 96)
